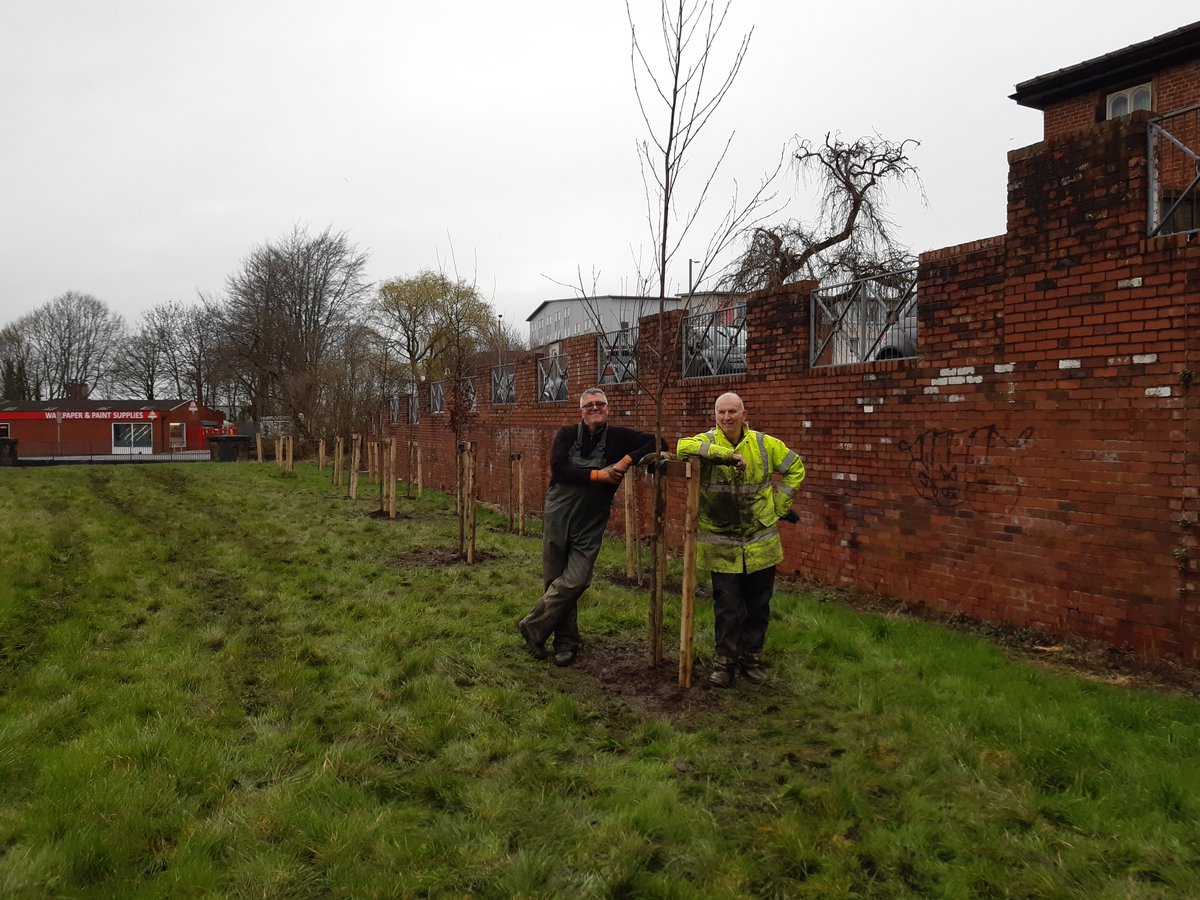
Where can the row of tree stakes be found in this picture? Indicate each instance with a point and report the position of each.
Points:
(380, 467)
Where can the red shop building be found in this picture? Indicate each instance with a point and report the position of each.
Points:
(90, 428)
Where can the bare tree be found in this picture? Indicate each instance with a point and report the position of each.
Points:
(138, 363)
(852, 236)
(72, 340)
(19, 369)
(285, 310)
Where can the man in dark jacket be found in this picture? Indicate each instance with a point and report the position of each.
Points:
(587, 463)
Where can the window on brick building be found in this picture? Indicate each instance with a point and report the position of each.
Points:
(1122, 103)
(3, 429)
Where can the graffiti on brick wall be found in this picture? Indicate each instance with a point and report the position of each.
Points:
(966, 467)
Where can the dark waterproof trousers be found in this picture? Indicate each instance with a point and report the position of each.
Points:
(572, 531)
(741, 611)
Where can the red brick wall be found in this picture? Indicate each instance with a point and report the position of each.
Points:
(1173, 89)
(1034, 465)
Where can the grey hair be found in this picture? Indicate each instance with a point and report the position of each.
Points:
(591, 392)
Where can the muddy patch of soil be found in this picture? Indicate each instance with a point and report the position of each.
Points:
(624, 671)
(615, 576)
(435, 556)
(382, 514)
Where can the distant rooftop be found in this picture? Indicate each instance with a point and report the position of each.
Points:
(1134, 63)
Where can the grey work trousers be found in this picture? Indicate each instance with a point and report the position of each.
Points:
(741, 611)
(572, 531)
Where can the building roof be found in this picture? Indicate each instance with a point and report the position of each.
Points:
(617, 297)
(1130, 65)
(92, 405)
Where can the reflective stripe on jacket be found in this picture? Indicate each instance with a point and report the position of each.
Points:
(737, 530)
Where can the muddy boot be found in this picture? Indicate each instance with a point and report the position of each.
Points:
(752, 669)
(722, 674)
(533, 647)
(565, 657)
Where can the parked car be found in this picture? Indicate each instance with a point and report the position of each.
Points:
(899, 341)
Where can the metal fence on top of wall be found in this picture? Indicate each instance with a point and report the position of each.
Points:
(1174, 160)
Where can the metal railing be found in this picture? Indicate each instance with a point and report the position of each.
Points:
(714, 343)
(552, 378)
(616, 356)
(865, 320)
(1174, 160)
(504, 384)
(104, 451)
(468, 394)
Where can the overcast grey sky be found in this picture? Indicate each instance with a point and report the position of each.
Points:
(148, 145)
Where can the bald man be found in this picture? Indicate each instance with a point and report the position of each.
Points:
(741, 503)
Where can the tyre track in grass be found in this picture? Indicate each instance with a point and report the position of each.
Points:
(167, 505)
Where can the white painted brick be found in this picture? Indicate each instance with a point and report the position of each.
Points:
(933, 390)
(1142, 359)
(957, 398)
(1130, 282)
(1118, 360)
(1004, 368)
(1069, 364)
(807, 423)
(868, 409)
(1158, 392)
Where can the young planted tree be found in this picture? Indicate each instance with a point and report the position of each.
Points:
(678, 92)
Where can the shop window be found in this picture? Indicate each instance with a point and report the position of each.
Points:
(3, 430)
(132, 437)
(178, 435)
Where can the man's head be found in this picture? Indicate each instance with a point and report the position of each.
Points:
(593, 408)
(731, 416)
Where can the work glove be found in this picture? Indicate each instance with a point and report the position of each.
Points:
(790, 516)
(651, 458)
(608, 475)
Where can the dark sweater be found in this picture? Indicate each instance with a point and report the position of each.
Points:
(621, 442)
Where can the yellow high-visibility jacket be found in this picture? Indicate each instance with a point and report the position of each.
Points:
(737, 530)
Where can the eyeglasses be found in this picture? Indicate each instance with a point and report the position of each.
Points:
(599, 404)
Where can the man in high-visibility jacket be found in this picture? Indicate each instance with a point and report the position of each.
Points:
(737, 539)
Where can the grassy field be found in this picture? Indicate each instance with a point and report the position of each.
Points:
(219, 680)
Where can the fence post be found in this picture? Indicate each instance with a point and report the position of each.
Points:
(321, 455)
(687, 599)
(521, 495)
(355, 452)
(258, 445)
(629, 488)
(472, 506)
(391, 477)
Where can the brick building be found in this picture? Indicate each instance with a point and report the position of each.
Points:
(108, 428)
(1039, 461)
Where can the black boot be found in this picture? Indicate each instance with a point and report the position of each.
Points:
(752, 669)
(535, 648)
(722, 674)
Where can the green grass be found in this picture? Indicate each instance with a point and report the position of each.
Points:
(219, 680)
